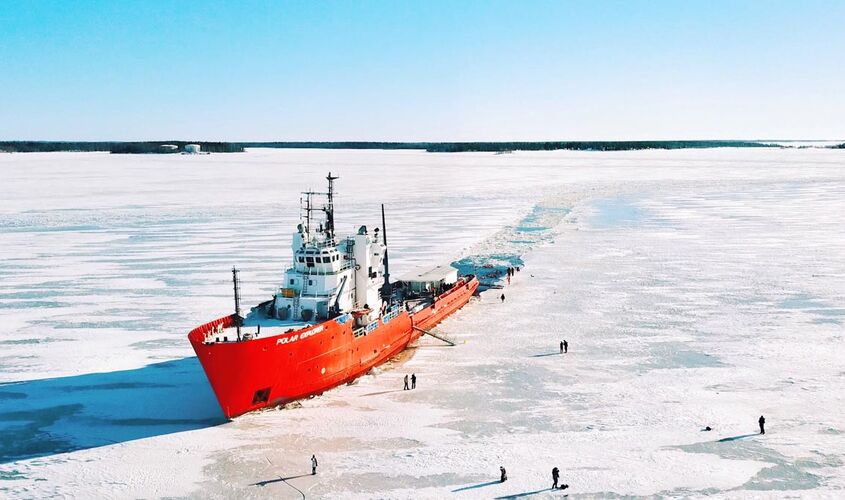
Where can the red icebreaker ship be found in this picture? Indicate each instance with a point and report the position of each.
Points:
(335, 316)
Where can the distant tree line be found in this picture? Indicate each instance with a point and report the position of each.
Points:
(49, 147)
(339, 145)
(586, 145)
(156, 147)
(454, 147)
(435, 147)
(114, 147)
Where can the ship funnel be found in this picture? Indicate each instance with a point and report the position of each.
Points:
(386, 290)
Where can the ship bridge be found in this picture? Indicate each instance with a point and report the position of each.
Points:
(328, 277)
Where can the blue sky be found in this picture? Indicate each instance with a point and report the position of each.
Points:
(419, 71)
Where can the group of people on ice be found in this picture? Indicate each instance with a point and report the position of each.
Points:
(413, 380)
(509, 273)
(411, 383)
(503, 476)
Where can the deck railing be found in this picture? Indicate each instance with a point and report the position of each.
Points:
(390, 315)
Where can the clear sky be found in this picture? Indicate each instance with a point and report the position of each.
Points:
(417, 71)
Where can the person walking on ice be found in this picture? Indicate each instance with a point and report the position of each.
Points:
(555, 477)
(762, 422)
(406, 383)
(413, 381)
(503, 474)
(313, 465)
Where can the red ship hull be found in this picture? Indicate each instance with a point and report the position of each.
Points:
(261, 372)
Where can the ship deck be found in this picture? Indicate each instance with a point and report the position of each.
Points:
(270, 326)
(257, 318)
(257, 325)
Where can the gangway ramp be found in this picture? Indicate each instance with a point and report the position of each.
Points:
(438, 337)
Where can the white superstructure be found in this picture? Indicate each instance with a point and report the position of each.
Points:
(330, 277)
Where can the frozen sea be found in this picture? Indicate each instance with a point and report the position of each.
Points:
(695, 288)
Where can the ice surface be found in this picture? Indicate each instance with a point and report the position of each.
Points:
(695, 288)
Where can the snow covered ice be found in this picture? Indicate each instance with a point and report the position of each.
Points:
(695, 287)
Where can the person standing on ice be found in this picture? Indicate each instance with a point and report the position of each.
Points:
(413, 381)
(502, 297)
(313, 465)
(762, 422)
(565, 347)
(555, 477)
(561, 347)
(406, 383)
(503, 474)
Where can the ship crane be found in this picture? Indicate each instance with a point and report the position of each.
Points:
(334, 307)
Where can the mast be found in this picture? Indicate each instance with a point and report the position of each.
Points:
(308, 214)
(237, 287)
(386, 291)
(309, 205)
(330, 208)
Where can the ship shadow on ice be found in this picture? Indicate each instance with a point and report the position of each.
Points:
(556, 353)
(476, 486)
(279, 480)
(382, 392)
(45, 417)
(530, 493)
(735, 438)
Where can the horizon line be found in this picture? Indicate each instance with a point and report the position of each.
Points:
(374, 141)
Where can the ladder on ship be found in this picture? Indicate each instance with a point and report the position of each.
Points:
(438, 337)
(295, 310)
(297, 313)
